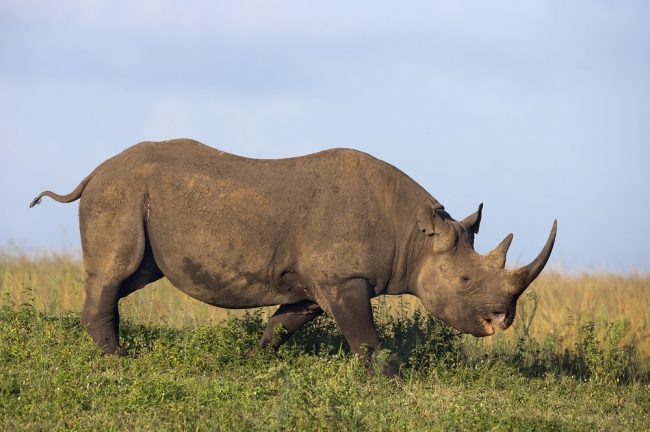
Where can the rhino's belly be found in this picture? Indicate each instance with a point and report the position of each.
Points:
(231, 289)
(224, 277)
(238, 294)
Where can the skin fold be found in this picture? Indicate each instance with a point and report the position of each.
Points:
(319, 233)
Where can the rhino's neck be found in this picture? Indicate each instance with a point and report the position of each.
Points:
(413, 248)
(400, 197)
(411, 244)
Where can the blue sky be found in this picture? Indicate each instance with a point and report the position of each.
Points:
(539, 109)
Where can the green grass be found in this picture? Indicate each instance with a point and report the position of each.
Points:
(52, 377)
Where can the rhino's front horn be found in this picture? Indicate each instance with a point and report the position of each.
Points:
(498, 254)
(532, 270)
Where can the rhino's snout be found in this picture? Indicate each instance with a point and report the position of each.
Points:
(498, 319)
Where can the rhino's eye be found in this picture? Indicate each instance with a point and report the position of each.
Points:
(465, 279)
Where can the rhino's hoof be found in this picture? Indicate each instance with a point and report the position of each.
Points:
(119, 352)
(390, 370)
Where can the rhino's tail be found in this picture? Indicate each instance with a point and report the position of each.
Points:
(72, 196)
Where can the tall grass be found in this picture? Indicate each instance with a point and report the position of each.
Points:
(561, 304)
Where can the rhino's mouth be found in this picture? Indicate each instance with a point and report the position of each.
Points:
(488, 326)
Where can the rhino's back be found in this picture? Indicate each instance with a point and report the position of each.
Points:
(189, 170)
(324, 190)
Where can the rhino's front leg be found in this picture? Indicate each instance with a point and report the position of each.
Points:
(349, 305)
(288, 318)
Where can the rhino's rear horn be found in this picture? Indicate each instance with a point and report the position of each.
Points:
(498, 254)
(532, 270)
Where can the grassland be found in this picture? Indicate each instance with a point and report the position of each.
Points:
(577, 358)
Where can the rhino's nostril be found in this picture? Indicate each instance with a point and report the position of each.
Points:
(498, 317)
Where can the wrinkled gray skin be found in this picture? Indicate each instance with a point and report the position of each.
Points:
(323, 232)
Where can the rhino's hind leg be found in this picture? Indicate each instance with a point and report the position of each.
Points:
(100, 314)
(286, 321)
(113, 248)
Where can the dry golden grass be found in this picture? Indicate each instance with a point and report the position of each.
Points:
(54, 284)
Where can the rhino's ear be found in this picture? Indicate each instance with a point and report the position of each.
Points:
(473, 221)
(430, 221)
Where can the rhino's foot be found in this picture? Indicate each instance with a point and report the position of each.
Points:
(118, 352)
(260, 350)
(390, 370)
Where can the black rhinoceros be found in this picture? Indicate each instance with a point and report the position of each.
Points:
(322, 232)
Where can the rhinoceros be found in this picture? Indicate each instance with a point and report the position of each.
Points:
(319, 233)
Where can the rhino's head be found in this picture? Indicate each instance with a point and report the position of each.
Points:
(471, 292)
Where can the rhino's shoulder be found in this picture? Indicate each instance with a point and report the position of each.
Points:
(348, 157)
